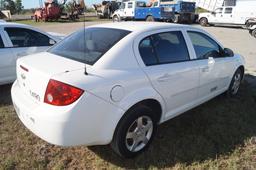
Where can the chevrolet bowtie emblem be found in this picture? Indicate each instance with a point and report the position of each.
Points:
(23, 76)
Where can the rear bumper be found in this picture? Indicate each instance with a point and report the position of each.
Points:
(82, 123)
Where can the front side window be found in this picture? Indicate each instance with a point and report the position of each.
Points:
(89, 44)
(21, 37)
(168, 47)
(218, 10)
(228, 11)
(1, 42)
(130, 5)
(204, 46)
(122, 6)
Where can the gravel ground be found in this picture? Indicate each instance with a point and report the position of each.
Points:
(237, 39)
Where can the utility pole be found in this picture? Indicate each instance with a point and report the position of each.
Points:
(41, 3)
(1, 4)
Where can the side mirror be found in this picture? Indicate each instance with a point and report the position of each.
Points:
(213, 13)
(228, 52)
(52, 42)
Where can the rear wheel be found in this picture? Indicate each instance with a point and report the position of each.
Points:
(116, 18)
(134, 132)
(203, 21)
(235, 83)
(150, 18)
(176, 19)
(254, 33)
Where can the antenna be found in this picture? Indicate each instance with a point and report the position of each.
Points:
(85, 70)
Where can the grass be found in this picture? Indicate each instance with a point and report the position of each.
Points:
(86, 19)
(220, 134)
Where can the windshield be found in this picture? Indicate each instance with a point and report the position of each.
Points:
(88, 45)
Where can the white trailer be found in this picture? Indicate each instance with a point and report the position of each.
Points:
(209, 5)
(230, 15)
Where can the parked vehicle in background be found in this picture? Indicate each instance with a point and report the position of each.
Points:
(209, 5)
(252, 30)
(137, 10)
(172, 69)
(53, 10)
(18, 40)
(184, 11)
(106, 8)
(229, 15)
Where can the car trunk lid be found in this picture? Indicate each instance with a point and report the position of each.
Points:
(35, 71)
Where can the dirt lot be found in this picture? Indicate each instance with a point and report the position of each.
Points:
(220, 134)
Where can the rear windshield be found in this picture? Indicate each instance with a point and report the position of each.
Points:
(88, 45)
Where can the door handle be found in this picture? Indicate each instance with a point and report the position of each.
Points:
(164, 78)
(22, 54)
(205, 69)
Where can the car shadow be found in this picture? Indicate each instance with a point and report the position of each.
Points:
(206, 132)
(5, 94)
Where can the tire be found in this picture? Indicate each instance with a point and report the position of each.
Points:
(235, 83)
(176, 19)
(150, 18)
(203, 22)
(130, 137)
(254, 33)
(116, 18)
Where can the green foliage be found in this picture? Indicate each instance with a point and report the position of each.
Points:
(18, 6)
(13, 6)
(9, 5)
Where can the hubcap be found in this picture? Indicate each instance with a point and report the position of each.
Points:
(139, 133)
(236, 84)
(115, 19)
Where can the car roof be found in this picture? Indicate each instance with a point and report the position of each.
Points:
(12, 24)
(140, 26)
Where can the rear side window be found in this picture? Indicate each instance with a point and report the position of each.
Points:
(228, 10)
(147, 52)
(1, 42)
(204, 46)
(21, 37)
(168, 47)
(88, 45)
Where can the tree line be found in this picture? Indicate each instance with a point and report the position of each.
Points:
(15, 6)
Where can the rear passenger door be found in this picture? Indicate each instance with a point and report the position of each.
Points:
(228, 15)
(26, 41)
(170, 69)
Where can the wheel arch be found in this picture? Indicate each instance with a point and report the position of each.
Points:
(241, 67)
(146, 96)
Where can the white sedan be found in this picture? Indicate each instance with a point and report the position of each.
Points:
(18, 40)
(113, 83)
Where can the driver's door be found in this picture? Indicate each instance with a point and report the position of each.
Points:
(129, 10)
(215, 68)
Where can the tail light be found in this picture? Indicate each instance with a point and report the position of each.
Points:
(61, 94)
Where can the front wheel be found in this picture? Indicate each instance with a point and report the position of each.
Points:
(134, 132)
(254, 33)
(116, 18)
(150, 19)
(203, 22)
(235, 83)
